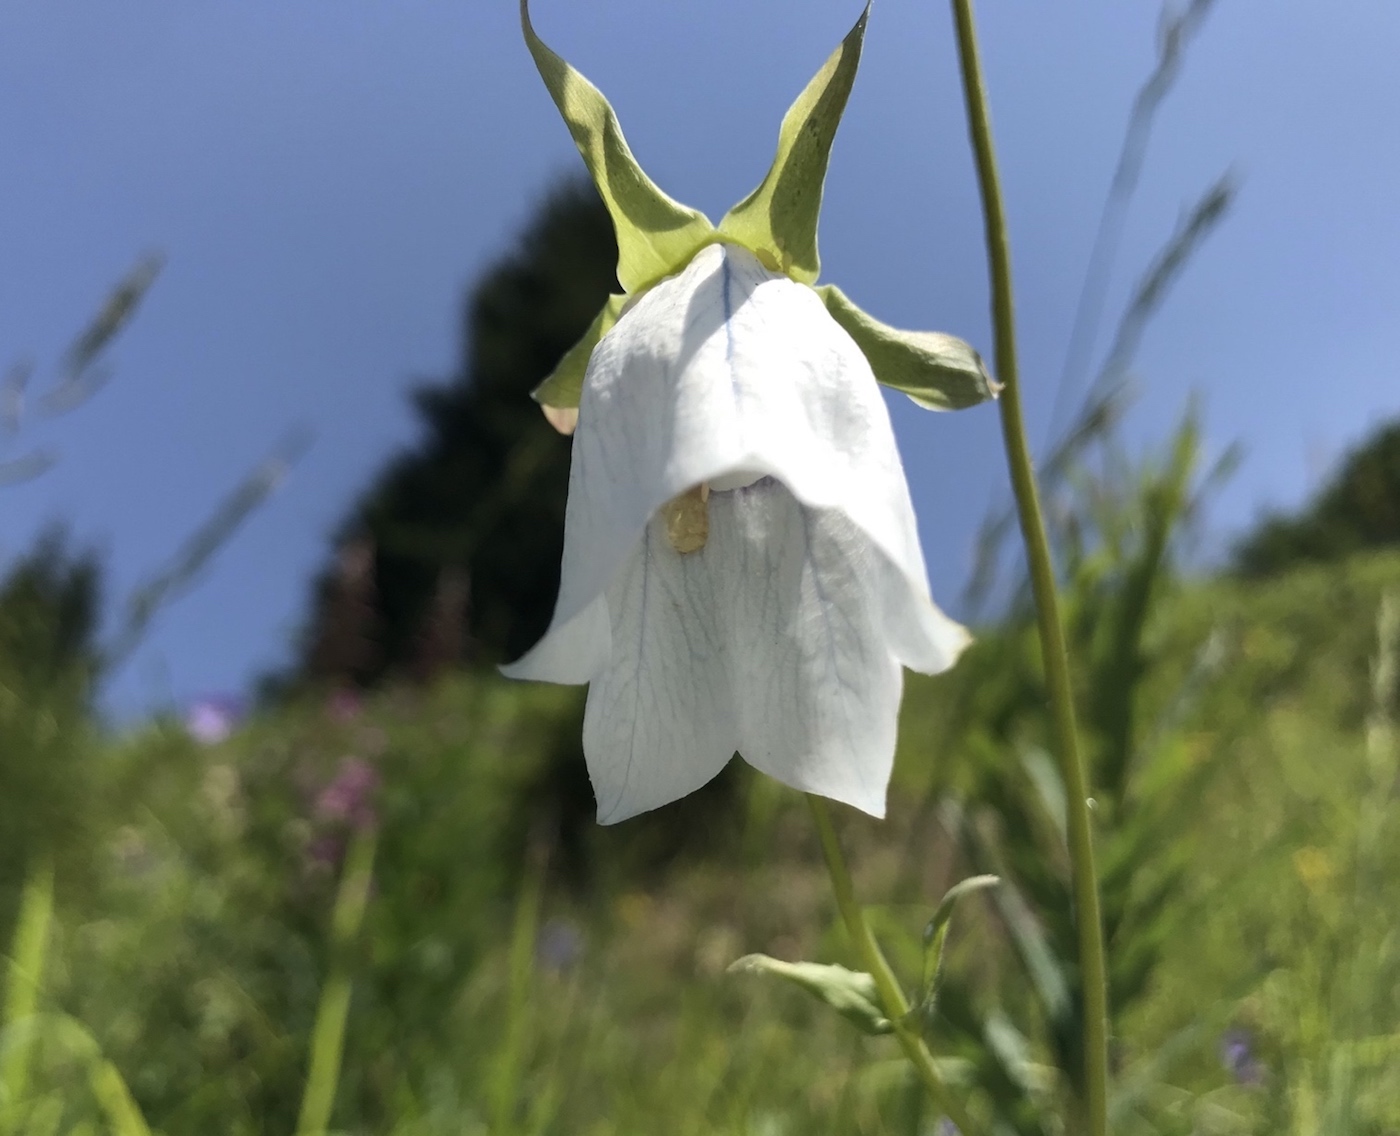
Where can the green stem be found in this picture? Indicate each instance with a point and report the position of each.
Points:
(333, 1009)
(23, 984)
(873, 959)
(1042, 573)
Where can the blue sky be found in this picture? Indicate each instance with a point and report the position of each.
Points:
(327, 179)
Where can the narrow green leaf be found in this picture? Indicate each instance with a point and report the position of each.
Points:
(1046, 970)
(110, 1090)
(944, 915)
(1049, 788)
(112, 1093)
(333, 1007)
(939, 372)
(24, 982)
(935, 935)
(1010, 1048)
(565, 384)
(780, 216)
(655, 235)
(851, 993)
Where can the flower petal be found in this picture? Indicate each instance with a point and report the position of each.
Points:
(816, 686)
(571, 652)
(659, 722)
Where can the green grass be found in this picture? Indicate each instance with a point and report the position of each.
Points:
(197, 950)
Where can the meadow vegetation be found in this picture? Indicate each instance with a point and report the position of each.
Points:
(519, 970)
(379, 903)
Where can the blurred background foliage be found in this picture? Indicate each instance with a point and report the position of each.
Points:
(1245, 779)
(378, 904)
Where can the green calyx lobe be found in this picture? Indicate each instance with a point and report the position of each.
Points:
(780, 216)
(565, 383)
(657, 236)
(938, 371)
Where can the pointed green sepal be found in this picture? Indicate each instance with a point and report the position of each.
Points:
(562, 389)
(939, 372)
(851, 993)
(779, 218)
(656, 236)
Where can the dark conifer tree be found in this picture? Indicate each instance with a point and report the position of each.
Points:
(343, 652)
(468, 524)
(1358, 509)
(49, 604)
(481, 497)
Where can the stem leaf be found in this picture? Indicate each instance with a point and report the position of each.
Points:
(851, 993)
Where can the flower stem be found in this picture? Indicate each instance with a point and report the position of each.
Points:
(333, 1008)
(1042, 573)
(873, 959)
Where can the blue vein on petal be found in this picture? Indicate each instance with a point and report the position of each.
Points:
(728, 309)
(636, 671)
(825, 607)
(734, 385)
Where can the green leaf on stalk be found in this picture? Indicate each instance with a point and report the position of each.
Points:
(562, 389)
(935, 935)
(939, 372)
(655, 235)
(779, 218)
(851, 993)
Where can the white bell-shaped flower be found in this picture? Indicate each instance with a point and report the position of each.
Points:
(782, 630)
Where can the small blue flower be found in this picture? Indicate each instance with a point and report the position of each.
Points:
(1237, 1056)
(560, 945)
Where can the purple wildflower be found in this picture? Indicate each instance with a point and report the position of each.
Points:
(349, 798)
(344, 704)
(1237, 1056)
(211, 719)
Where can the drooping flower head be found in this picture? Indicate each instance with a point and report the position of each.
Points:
(742, 570)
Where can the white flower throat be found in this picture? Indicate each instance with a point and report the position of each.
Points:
(687, 515)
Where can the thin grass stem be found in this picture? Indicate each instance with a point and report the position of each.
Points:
(1042, 573)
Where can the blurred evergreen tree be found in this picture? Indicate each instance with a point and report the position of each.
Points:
(467, 525)
(1358, 509)
(49, 607)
